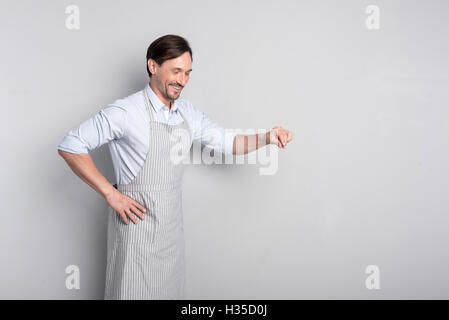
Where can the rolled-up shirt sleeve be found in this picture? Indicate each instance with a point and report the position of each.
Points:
(108, 124)
(211, 135)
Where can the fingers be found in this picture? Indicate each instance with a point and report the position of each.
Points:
(139, 206)
(137, 212)
(131, 216)
(280, 143)
(283, 137)
(277, 137)
(123, 216)
(128, 208)
(131, 211)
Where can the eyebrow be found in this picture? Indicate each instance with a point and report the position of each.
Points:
(181, 69)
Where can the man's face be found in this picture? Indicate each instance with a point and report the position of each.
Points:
(172, 76)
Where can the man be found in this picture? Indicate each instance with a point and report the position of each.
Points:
(145, 259)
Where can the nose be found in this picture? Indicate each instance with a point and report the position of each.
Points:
(182, 80)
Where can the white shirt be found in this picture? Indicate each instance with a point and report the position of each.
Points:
(124, 126)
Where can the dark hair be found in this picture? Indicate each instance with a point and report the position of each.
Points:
(167, 47)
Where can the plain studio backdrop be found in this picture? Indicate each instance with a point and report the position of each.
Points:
(363, 183)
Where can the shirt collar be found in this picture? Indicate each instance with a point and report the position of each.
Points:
(156, 102)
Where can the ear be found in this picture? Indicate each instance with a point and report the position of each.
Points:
(151, 66)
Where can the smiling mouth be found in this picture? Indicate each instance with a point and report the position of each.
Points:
(176, 88)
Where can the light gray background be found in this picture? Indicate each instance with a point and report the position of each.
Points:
(363, 182)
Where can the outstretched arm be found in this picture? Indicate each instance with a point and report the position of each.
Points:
(244, 144)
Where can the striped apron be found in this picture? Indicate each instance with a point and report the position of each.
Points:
(146, 260)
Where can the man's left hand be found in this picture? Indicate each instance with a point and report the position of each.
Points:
(280, 136)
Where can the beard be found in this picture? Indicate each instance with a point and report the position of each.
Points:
(172, 94)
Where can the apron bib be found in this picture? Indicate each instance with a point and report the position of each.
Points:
(146, 260)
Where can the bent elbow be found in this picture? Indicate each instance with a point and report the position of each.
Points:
(63, 153)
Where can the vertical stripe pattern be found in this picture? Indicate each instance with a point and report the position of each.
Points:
(146, 260)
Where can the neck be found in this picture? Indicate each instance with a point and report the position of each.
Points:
(164, 100)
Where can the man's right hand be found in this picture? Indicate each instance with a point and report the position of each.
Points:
(84, 167)
(125, 206)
